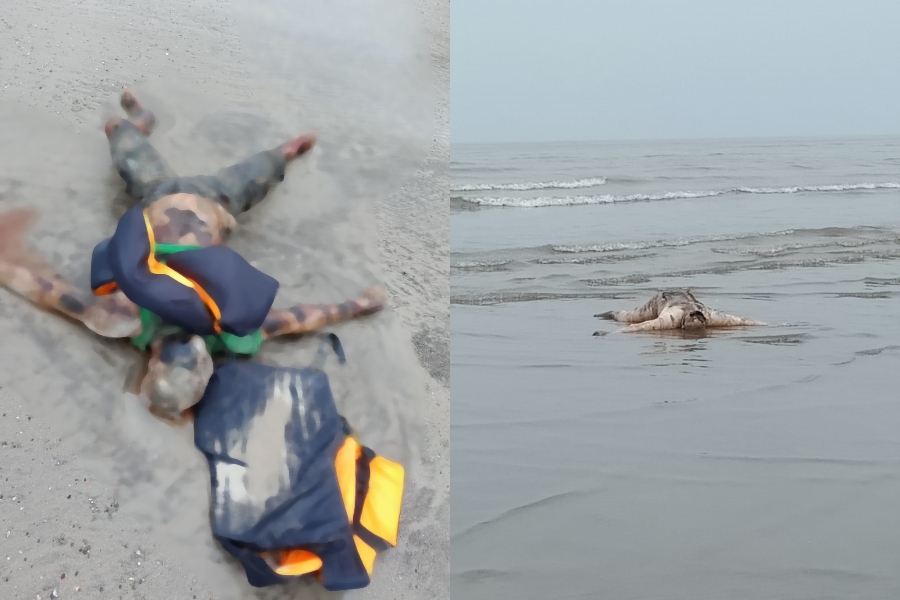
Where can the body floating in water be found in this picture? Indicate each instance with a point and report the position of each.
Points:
(677, 309)
(184, 217)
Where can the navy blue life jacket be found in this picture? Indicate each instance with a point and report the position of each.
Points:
(204, 291)
(338, 503)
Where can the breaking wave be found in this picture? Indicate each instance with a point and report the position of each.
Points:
(579, 200)
(675, 243)
(890, 185)
(524, 187)
(543, 201)
(481, 265)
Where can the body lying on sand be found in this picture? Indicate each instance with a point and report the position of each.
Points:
(673, 310)
(185, 211)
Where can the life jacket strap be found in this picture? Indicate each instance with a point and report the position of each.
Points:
(335, 342)
(160, 268)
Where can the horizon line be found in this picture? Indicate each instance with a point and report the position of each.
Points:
(676, 139)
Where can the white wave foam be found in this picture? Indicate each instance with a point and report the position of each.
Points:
(524, 187)
(480, 264)
(666, 243)
(890, 185)
(610, 199)
(786, 248)
(580, 200)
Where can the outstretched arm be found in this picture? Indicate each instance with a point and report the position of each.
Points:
(306, 318)
(720, 319)
(28, 275)
(648, 311)
(112, 316)
(652, 325)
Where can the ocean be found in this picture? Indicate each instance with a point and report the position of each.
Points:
(748, 463)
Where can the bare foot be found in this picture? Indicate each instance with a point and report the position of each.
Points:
(112, 124)
(298, 146)
(373, 301)
(142, 118)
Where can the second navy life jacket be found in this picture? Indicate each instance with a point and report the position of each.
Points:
(204, 291)
(293, 493)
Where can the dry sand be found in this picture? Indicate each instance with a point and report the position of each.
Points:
(96, 499)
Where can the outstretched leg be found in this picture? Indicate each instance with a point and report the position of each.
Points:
(244, 185)
(141, 117)
(648, 311)
(720, 319)
(137, 162)
(306, 318)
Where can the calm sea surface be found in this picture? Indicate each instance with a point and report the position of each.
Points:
(755, 463)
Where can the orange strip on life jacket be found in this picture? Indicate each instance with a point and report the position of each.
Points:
(298, 562)
(158, 268)
(211, 305)
(106, 289)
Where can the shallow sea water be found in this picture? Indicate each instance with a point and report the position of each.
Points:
(760, 462)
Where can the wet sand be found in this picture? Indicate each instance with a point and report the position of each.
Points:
(111, 493)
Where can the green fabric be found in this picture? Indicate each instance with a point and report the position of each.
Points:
(247, 345)
(173, 248)
(150, 322)
(152, 325)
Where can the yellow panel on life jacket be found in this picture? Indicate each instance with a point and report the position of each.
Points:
(345, 467)
(381, 508)
(380, 512)
(366, 554)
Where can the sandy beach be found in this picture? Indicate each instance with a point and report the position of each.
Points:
(98, 500)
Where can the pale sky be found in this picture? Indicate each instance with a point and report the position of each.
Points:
(555, 70)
